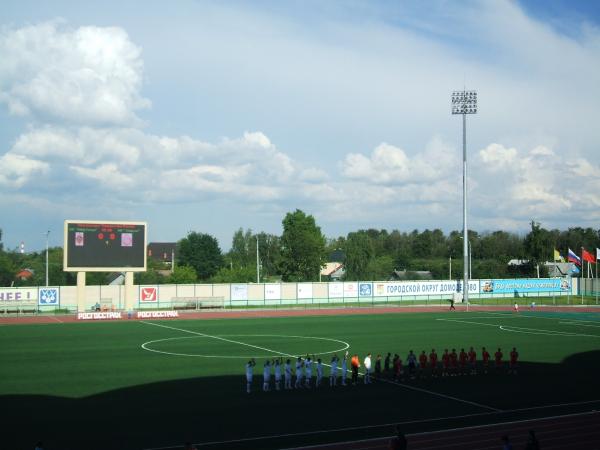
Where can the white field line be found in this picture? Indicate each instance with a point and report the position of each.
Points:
(514, 329)
(449, 397)
(409, 422)
(145, 345)
(447, 430)
(218, 338)
(406, 386)
(473, 323)
(574, 322)
(334, 430)
(56, 318)
(480, 317)
(509, 315)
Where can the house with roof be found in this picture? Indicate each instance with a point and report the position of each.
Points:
(163, 252)
(24, 274)
(332, 271)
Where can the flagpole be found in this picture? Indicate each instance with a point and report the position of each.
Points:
(596, 281)
(555, 272)
(581, 278)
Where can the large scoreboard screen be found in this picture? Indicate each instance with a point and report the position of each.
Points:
(104, 246)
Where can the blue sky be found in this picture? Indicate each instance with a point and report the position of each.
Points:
(210, 116)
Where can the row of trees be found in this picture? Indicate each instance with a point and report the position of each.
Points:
(302, 249)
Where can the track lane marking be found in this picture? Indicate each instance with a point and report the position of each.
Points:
(394, 424)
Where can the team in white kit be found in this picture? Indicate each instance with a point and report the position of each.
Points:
(304, 372)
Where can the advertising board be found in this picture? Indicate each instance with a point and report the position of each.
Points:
(525, 285)
(104, 246)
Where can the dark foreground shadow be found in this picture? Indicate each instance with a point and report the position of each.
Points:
(167, 414)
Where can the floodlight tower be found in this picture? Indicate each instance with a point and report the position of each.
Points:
(257, 262)
(47, 233)
(465, 102)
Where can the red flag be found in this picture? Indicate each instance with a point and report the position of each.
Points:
(587, 256)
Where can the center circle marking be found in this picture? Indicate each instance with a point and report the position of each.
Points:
(147, 346)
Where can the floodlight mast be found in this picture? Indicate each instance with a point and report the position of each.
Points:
(465, 102)
(47, 233)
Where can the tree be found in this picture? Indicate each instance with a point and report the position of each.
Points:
(150, 276)
(380, 268)
(183, 275)
(242, 255)
(500, 245)
(270, 254)
(360, 252)
(302, 248)
(538, 245)
(235, 275)
(7, 266)
(455, 244)
(200, 251)
(7, 270)
(241, 245)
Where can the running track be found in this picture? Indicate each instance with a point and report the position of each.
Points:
(260, 313)
(574, 432)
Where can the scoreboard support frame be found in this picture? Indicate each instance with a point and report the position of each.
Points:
(130, 295)
(80, 291)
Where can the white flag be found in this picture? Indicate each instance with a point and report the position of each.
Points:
(597, 253)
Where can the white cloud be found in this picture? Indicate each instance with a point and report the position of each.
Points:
(107, 175)
(327, 93)
(153, 168)
(313, 174)
(496, 157)
(537, 183)
(17, 170)
(87, 75)
(391, 165)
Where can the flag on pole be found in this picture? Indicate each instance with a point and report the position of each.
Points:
(587, 256)
(558, 257)
(572, 257)
(597, 253)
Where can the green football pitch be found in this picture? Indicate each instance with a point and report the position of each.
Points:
(156, 384)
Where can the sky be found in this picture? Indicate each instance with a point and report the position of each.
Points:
(213, 116)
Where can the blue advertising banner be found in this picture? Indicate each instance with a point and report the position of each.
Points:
(48, 297)
(524, 285)
(422, 288)
(365, 289)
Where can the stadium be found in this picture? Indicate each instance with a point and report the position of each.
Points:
(166, 366)
(165, 283)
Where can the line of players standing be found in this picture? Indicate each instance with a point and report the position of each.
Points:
(303, 372)
(451, 364)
